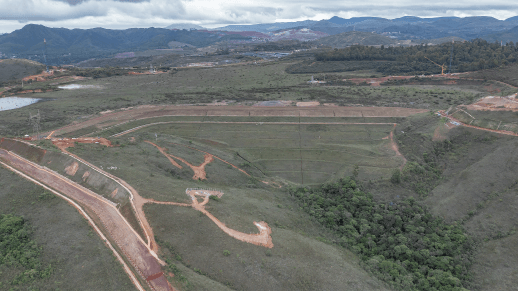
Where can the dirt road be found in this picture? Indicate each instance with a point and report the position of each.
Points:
(263, 238)
(115, 226)
(150, 111)
(451, 118)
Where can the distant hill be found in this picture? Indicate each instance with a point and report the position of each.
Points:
(17, 69)
(186, 26)
(72, 46)
(408, 27)
(505, 36)
(355, 37)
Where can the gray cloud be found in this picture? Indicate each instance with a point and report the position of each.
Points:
(118, 14)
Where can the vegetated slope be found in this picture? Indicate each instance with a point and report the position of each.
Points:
(506, 36)
(15, 69)
(201, 255)
(464, 176)
(78, 258)
(69, 46)
(345, 39)
(468, 56)
(507, 74)
(401, 243)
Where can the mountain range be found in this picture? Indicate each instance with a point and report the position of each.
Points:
(408, 27)
(66, 46)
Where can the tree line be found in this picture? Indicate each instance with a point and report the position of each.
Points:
(472, 55)
(400, 242)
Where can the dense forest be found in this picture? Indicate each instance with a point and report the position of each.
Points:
(19, 253)
(423, 59)
(400, 242)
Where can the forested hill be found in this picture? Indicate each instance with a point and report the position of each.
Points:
(467, 56)
(66, 46)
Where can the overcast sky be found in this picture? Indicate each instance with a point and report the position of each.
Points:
(14, 14)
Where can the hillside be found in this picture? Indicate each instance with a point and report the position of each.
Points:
(505, 36)
(246, 177)
(69, 46)
(345, 39)
(16, 69)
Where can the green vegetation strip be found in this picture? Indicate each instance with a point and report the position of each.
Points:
(399, 242)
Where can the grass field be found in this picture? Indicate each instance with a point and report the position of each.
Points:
(316, 151)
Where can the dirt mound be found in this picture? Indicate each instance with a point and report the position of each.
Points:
(72, 169)
(496, 103)
(64, 143)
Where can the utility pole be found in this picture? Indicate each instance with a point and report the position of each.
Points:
(34, 120)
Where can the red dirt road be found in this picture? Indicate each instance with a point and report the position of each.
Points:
(451, 118)
(117, 228)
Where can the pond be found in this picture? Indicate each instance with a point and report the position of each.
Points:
(9, 103)
(77, 86)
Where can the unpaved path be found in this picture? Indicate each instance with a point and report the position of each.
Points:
(199, 171)
(263, 238)
(395, 148)
(118, 229)
(244, 122)
(64, 143)
(451, 118)
(150, 111)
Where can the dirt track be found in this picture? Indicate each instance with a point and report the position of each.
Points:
(262, 239)
(395, 147)
(132, 246)
(495, 103)
(149, 111)
(451, 118)
(241, 122)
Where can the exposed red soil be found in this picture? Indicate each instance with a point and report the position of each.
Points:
(394, 146)
(164, 152)
(451, 118)
(133, 247)
(235, 167)
(114, 193)
(85, 176)
(40, 77)
(64, 143)
(72, 168)
(199, 171)
(495, 103)
(263, 238)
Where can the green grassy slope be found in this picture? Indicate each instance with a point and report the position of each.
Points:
(303, 257)
(15, 69)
